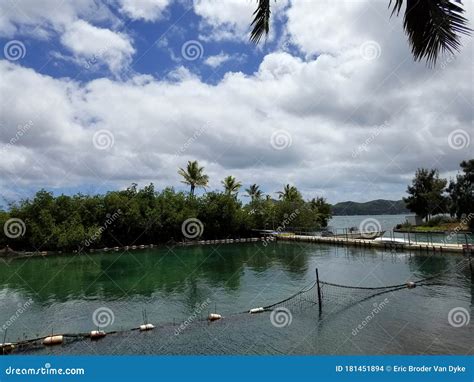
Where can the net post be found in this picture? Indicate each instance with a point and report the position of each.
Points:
(319, 290)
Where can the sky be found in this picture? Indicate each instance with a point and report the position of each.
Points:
(96, 95)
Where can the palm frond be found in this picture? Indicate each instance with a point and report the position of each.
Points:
(261, 21)
(433, 27)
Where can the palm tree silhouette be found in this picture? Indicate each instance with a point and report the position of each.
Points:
(231, 186)
(254, 192)
(289, 194)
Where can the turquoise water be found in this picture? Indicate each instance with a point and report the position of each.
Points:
(61, 294)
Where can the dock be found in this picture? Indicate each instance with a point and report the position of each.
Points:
(384, 245)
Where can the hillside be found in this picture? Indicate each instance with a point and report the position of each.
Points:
(374, 207)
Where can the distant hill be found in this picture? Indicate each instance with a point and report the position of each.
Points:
(374, 207)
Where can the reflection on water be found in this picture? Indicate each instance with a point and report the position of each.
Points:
(170, 282)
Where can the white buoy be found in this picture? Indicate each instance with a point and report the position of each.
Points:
(53, 340)
(256, 310)
(96, 334)
(214, 317)
(411, 285)
(145, 327)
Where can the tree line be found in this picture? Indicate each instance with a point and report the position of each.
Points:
(142, 216)
(430, 195)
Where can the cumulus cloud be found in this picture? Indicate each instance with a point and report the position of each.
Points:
(43, 19)
(147, 10)
(221, 58)
(88, 42)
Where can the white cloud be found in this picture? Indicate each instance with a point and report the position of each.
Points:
(41, 19)
(147, 10)
(91, 43)
(221, 58)
(359, 127)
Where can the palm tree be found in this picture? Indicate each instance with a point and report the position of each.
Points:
(231, 186)
(194, 176)
(432, 26)
(289, 194)
(254, 192)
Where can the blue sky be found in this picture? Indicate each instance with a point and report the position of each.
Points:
(97, 95)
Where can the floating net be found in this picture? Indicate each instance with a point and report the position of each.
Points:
(326, 297)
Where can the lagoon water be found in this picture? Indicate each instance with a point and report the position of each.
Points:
(170, 283)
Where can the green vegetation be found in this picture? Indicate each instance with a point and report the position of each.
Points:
(436, 224)
(428, 196)
(374, 207)
(143, 216)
